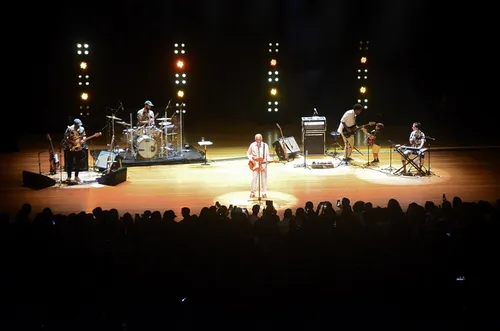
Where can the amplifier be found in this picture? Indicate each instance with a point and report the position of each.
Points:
(314, 142)
(314, 123)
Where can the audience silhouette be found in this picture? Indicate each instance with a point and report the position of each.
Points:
(429, 266)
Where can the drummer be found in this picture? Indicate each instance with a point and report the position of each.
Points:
(145, 116)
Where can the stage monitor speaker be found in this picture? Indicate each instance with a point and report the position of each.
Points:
(114, 177)
(37, 181)
(292, 148)
(314, 143)
(84, 164)
(102, 160)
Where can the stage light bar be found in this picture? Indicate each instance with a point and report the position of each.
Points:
(363, 45)
(82, 49)
(179, 48)
(275, 49)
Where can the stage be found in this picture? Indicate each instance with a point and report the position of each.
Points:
(467, 172)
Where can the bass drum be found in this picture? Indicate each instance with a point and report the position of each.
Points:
(146, 147)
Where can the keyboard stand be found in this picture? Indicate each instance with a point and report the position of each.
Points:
(410, 160)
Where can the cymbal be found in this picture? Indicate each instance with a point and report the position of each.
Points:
(123, 123)
(164, 123)
(114, 117)
(164, 119)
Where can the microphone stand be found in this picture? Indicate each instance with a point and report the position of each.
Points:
(260, 169)
(429, 172)
(39, 163)
(367, 153)
(305, 154)
(165, 126)
(61, 166)
(390, 168)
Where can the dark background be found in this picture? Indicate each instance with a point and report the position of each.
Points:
(427, 61)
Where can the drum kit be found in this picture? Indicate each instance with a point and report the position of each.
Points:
(149, 141)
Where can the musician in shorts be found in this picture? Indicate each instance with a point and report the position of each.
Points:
(375, 140)
(75, 148)
(347, 126)
(416, 140)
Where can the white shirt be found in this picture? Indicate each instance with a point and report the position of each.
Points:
(417, 139)
(143, 116)
(258, 151)
(349, 119)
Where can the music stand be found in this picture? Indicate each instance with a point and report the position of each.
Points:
(205, 143)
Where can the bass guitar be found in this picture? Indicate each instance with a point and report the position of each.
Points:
(349, 131)
(53, 157)
(76, 144)
(285, 153)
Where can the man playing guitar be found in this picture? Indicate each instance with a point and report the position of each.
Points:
(75, 148)
(347, 128)
(258, 157)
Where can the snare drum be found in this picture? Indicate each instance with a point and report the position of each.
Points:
(146, 147)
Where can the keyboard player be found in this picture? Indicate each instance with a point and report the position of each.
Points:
(417, 141)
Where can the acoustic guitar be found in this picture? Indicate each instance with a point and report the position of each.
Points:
(285, 153)
(353, 129)
(53, 157)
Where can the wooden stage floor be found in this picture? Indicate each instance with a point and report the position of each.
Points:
(470, 173)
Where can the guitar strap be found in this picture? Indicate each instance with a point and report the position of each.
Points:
(258, 154)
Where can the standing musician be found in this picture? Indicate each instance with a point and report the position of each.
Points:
(348, 123)
(75, 148)
(145, 116)
(258, 154)
(417, 139)
(374, 139)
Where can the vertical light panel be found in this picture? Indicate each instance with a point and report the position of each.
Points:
(362, 74)
(83, 79)
(273, 78)
(180, 83)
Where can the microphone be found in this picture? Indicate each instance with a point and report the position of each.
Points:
(315, 112)
(168, 105)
